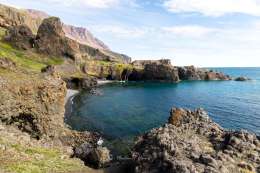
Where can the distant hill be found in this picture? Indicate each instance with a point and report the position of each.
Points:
(80, 34)
(10, 16)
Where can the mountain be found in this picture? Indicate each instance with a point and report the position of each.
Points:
(80, 34)
(10, 16)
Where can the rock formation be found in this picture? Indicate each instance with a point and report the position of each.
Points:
(51, 40)
(154, 70)
(242, 78)
(163, 70)
(20, 37)
(192, 143)
(86, 83)
(96, 156)
(192, 73)
(33, 18)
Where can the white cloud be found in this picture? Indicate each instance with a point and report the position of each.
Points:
(88, 3)
(190, 30)
(120, 31)
(214, 7)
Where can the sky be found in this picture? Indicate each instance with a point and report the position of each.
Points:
(204, 33)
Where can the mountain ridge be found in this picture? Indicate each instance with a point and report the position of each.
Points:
(10, 16)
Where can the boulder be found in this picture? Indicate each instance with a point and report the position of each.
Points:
(20, 37)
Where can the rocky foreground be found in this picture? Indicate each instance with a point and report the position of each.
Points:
(192, 143)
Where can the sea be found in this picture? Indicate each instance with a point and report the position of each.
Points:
(122, 111)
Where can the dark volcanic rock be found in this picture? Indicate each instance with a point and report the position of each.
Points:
(21, 37)
(160, 70)
(192, 73)
(51, 40)
(81, 83)
(192, 142)
(242, 78)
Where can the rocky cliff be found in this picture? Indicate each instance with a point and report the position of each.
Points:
(163, 70)
(191, 142)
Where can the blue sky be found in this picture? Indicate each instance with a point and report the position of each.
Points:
(199, 32)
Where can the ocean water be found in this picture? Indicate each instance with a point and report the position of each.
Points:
(123, 111)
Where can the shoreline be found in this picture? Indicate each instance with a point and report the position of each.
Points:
(103, 82)
(68, 101)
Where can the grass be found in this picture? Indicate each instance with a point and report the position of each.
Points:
(35, 159)
(27, 60)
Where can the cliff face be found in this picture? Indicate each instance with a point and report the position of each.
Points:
(12, 17)
(34, 104)
(83, 36)
(163, 70)
(192, 142)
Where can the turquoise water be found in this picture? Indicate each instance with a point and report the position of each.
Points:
(127, 110)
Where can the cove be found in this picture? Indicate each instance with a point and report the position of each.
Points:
(123, 111)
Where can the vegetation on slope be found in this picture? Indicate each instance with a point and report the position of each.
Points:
(26, 60)
(21, 154)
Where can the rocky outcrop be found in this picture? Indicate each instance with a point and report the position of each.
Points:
(51, 40)
(192, 142)
(192, 73)
(160, 70)
(142, 63)
(77, 83)
(10, 16)
(242, 78)
(20, 37)
(96, 156)
(34, 107)
(163, 70)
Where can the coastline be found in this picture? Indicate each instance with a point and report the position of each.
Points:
(68, 101)
(103, 82)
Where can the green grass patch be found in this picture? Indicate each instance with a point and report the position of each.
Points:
(40, 160)
(27, 60)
